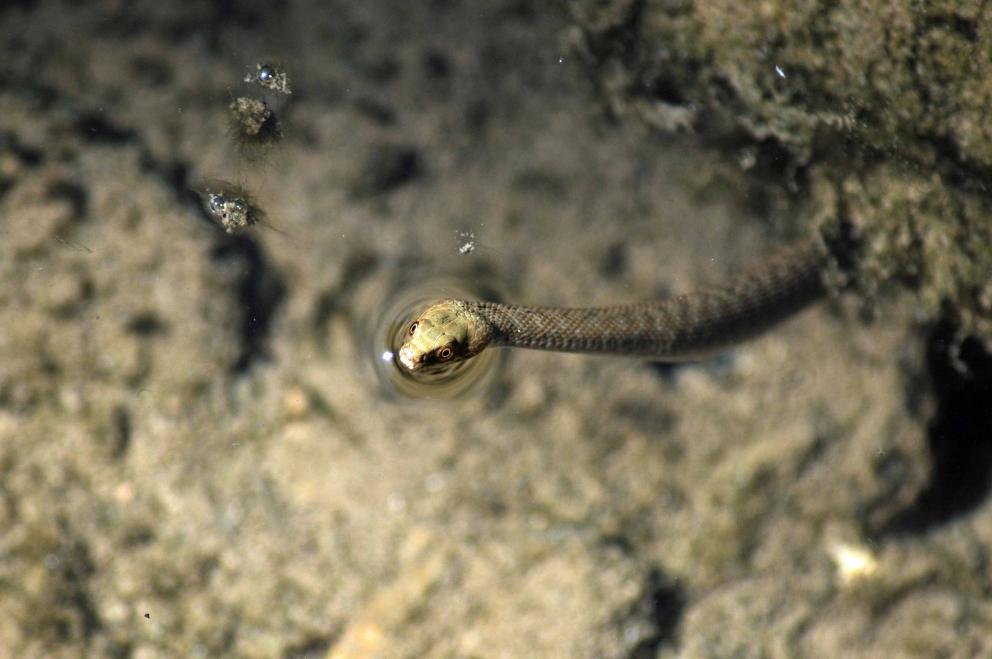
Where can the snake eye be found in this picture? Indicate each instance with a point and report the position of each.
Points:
(445, 353)
(413, 327)
(265, 73)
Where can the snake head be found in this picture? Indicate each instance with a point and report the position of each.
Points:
(440, 336)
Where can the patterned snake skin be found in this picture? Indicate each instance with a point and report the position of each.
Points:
(684, 327)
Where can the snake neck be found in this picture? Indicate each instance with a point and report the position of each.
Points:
(491, 324)
(476, 329)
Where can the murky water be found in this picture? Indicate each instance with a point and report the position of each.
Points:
(386, 329)
(208, 446)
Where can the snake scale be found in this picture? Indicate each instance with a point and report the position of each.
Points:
(685, 327)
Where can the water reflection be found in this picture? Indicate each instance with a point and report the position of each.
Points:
(386, 331)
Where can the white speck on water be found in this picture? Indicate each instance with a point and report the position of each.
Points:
(468, 246)
(780, 71)
(387, 355)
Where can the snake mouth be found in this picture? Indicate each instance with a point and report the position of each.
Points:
(422, 365)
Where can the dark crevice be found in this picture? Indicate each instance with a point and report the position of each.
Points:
(311, 646)
(517, 10)
(387, 167)
(843, 243)
(960, 434)
(30, 156)
(75, 567)
(662, 603)
(614, 261)
(247, 15)
(42, 96)
(666, 90)
(356, 269)
(377, 111)
(260, 288)
(96, 127)
(152, 71)
(77, 304)
(668, 371)
(437, 65)
(956, 169)
(381, 70)
(967, 28)
(175, 174)
(23, 5)
(260, 293)
(146, 324)
(73, 193)
(121, 435)
(620, 40)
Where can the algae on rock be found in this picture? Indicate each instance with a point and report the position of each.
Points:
(879, 107)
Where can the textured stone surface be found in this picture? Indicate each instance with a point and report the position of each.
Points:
(872, 113)
(196, 458)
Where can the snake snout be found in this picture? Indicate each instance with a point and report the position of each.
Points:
(407, 358)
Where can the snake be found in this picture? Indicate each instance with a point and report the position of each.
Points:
(681, 328)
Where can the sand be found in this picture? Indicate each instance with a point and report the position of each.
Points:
(198, 459)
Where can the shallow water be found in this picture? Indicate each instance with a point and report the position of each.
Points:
(207, 447)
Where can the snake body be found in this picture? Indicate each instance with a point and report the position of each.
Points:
(683, 327)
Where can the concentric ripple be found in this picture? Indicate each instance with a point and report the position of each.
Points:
(389, 330)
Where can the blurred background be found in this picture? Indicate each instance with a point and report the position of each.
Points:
(203, 452)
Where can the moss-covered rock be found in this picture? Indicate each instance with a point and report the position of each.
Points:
(875, 110)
